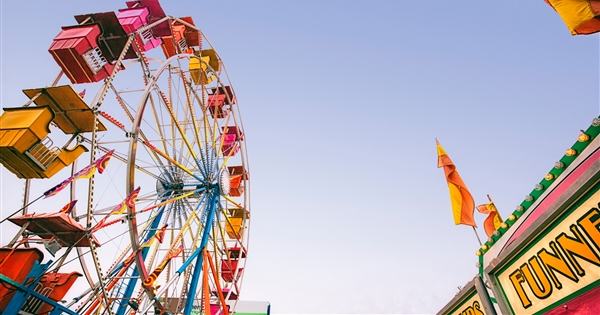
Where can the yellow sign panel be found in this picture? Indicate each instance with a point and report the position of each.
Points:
(472, 306)
(559, 264)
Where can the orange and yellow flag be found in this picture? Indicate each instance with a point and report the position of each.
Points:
(493, 221)
(581, 16)
(463, 205)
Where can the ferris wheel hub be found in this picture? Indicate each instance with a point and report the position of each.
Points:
(224, 182)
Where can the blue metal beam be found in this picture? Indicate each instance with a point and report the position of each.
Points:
(189, 303)
(132, 282)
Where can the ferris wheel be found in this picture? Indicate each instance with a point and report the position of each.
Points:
(151, 174)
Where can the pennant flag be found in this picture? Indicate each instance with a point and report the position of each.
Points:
(147, 243)
(132, 198)
(160, 235)
(86, 172)
(151, 279)
(175, 253)
(56, 189)
(118, 209)
(102, 162)
(463, 205)
(493, 221)
(100, 224)
(129, 201)
(582, 17)
(82, 93)
(129, 259)
(69, 207)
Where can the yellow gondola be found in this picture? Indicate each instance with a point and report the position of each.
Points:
(25, 148)
(199, 70)
(236, 217)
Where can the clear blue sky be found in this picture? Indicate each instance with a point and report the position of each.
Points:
(342, 101)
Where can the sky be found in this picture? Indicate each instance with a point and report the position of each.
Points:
(342, 101)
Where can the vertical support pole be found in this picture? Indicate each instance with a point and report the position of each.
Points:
(484, 296)
(134, 276)
(26, 195)
(25, 205)
(205, 287)
(189, 303)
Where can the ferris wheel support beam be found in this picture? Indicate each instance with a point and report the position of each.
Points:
(26, 195)
(178, 273)
(90, 200)
(134, 276)
(198, 254)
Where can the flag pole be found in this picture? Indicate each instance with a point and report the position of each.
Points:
(475, 231)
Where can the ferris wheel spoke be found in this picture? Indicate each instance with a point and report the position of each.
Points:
(209, 131)
(180, 158)
(128, 111)
(189, 100)
(216, 279)
(159, 128)
(119, 156)
(193, 217)
(174, 199)
(179, 239)
(111, 282)
(209, 218)
(190, 107)
(178, 126)
(220, 147)
(172, 161)
(174, 108)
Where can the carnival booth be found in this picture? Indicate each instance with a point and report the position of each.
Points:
(546, 260)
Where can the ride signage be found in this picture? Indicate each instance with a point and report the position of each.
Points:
(560, 264)
(472, 299)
